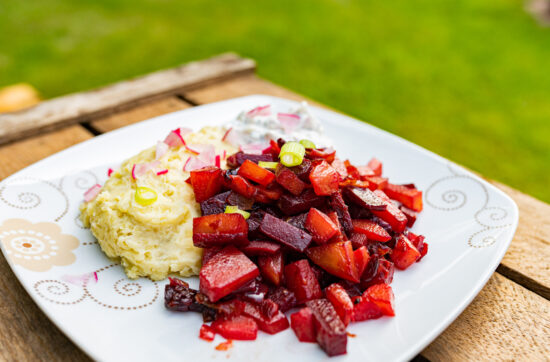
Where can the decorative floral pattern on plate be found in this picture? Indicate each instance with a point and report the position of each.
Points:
(39, 246)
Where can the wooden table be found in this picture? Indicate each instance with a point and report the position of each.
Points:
(509, 319)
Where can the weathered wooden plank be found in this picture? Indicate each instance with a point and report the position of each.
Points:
(26, 334)
(139, 113)
(15, 156)
(86, 106)
(529, 252)
(505, 322)
(527, 261)
(242, 86)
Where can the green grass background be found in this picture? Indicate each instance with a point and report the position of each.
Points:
(468, 79)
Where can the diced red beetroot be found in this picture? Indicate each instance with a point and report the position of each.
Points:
(361, 257)
(330, 332)
(372, 230)
(336, 201)
(302, 170)
(411, 198)
(240, 185)
(365, 171)
(341, 302)
(252, 171)
(254, 221)
(275, 149)
(300, 279)
(365, 309)
(340, 167)
(320, 226)
(301, 323)
(355, 183)
(324, 179)
(404, 253)
(341, 236)
(358, 240)
(410, 214)
(284, 298)
(285, 233)
(423, 251)
(288, 179)
(206, 182)
(378, 270)
(215, 204)
(365, 198)
(292, 205)
(240, 328)
(219, 229)
(378, 248)
(392, 215)
(352, 171)
(242, 202)
(207, 333)
(258, 247)
(382, 296)
(298, 220)
(416, 240)
(271, 324)
(376, 182)
(336, 259)
(326, 154)
(208, 253)
(225, 272)
(238, 158)
(376, 166)
(272, 268)
(268, 194)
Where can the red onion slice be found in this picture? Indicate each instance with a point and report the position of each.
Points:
(260, 111)
(288, 121)
(92, 192)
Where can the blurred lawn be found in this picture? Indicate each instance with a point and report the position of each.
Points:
(468, 79)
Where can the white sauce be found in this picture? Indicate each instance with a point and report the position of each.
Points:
(262, 128)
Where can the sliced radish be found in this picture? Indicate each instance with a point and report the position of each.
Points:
(218, 161)
(161, 150)
(194, 163)
(110, 172)
(208, 155)
(175, 137)
(140, 169)
(224, 155)
(260, 111)
(233, 137)
(289, 121)
(163, 172)
(226, 133)
(92, 192)
(80, 280)
(255, 148)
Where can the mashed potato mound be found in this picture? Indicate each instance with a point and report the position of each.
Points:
(154, 240)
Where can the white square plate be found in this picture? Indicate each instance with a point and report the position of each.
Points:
(467, 222)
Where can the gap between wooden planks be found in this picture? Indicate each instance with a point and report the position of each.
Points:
(491, 326)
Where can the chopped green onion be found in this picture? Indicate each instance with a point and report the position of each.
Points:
(145, 196)
(235, 210)
(270, 165)
(292, 154)
(307, 143)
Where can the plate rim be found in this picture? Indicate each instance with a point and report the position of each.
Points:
(407, 354)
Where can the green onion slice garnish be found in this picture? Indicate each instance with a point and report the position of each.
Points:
(270, 165)
(292, 154)
(235, 210)
(145, 196)
(307, 143)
